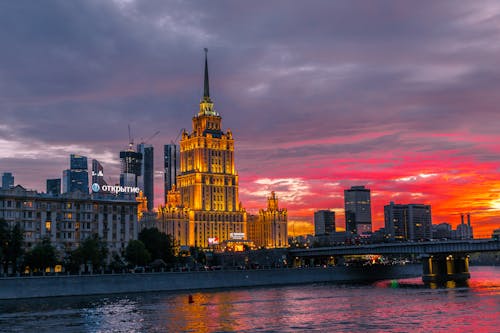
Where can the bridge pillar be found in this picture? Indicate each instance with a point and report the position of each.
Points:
(445, 269)
(298, 262)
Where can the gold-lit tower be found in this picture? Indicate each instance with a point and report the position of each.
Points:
(208, 181)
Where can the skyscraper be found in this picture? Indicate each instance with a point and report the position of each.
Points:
(324, 222)
(146, 178)
(7, 180)
(208, 181)
(408, 222)
(54, 186)
(77, 177)
(358, 212)
(130, 167)
(171, 165)
(98, 173)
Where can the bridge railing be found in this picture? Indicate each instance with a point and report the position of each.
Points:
(465, 246)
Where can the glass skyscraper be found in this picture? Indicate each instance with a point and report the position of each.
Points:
(146, 178)
(98, 173)
(171, 166)
(54, 186)
(358, 212)
(77, 177)
(7, 180)
(131, 165)
(324, 222)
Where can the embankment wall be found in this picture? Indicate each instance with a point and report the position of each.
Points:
(48, 286)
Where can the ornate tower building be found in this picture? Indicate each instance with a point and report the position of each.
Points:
(208, 181)
(269, 228)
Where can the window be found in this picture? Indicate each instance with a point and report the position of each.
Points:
(47, 225)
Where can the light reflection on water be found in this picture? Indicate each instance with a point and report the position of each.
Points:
(382, 307)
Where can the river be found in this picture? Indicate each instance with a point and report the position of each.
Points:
(386, 306)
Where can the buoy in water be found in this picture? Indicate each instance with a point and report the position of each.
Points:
(190, 299)
(394, 284)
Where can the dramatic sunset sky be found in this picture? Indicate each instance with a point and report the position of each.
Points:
(400, 96)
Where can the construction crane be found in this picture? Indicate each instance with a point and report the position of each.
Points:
(178, 135)
(130, 139)
(150, 138)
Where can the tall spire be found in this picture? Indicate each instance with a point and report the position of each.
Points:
(206, 90)
(206, 104)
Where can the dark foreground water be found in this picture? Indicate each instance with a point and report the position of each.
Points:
(383, 307)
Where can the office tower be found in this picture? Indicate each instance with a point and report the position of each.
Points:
(98, 173)
(7, 180)
(146, 178)
(130, 167)
(208, 182)
(408, 222)
(358, 212)
(54, 186)
(171, 165)
(324, 222)
(77, 177)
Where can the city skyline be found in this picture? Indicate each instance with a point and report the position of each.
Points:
(397, 98)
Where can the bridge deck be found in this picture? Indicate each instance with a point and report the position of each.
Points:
(441, 247)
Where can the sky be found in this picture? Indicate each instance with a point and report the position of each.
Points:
(400, 96)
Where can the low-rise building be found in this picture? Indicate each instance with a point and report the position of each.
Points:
(70, 218)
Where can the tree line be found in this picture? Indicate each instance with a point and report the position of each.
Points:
(151, 248)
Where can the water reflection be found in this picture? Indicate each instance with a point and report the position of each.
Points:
(320, 307)
(113, 315)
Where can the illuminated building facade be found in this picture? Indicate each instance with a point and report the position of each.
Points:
(70, 218)
(358, 211)
(269, 229)
(173, 218)
(207, 182)
(408, 222)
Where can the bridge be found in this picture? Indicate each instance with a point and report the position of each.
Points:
(442, 261)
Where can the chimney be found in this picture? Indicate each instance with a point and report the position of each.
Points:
(468, 219)
(462, 218)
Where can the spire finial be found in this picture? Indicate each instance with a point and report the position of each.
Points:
(206, 90)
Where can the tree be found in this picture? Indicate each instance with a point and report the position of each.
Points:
(15, 250)
(137, 254)
(159, 244)
(117, 264)
(11, 245)
(43, 255)
(91, 251)
(4, 240)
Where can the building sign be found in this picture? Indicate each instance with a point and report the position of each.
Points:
(98, 173)
(213, 241)
(237, 235)
(115, 189)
